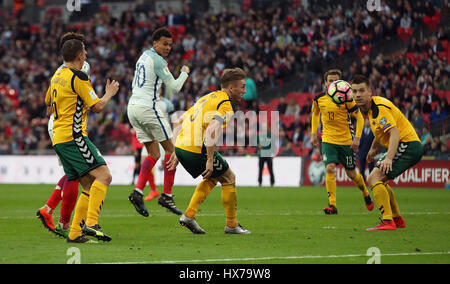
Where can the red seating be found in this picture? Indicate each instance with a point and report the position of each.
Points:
(426, 117)
(411, 56)
(404, 34)
(364, 50)
(297, 150)
(274, 103)
(251, 150)
(263, 107)
(287, 120)
(433, 21)
(305, 152)
(181, 29)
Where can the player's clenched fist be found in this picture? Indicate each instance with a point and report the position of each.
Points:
(185, 69)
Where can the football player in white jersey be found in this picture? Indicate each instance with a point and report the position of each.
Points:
(146, 117)
(65, 191)
(167, 107)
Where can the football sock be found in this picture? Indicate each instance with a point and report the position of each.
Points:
(169, 176)
(201, 192)
(151, 181)
(56, 196)
(381, 196)
(146, 170)
(80, 215)
(97, 196)
(393, 202)
(330, 183)
(69, 198)
(229, 201)
(359, 182)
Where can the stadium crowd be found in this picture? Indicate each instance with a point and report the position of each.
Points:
(271, 44)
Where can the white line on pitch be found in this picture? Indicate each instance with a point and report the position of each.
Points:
(277, 257)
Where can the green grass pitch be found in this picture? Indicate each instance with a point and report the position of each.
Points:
(288, 226)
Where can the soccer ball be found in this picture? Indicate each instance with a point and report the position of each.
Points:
(340, 92)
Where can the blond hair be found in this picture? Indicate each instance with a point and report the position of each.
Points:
(230, 76)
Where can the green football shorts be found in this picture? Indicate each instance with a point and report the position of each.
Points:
(408, 154)
(78, 157)
(195, 164)
(338, 154)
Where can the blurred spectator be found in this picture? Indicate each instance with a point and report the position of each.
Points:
(282, 106)
(251, 94)
(417, 120)
(287, 150)
(266, 152)
(435, 148)
(122, 149)
(425, 106)
(437, 115)
(292, 108)
(444, 84)
(364, 147)
(426, 139)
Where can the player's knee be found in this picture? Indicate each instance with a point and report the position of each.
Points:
(375, 176)
(331, 168)
(155, 156)
(351, 174)
(105, 179)
(228, 178)
(104, 176)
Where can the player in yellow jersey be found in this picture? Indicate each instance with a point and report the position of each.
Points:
(69, 96)
(339, 144)
(393, 131)
(201, 127)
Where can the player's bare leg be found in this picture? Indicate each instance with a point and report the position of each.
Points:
(358, 179)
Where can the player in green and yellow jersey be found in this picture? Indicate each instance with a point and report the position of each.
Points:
(393, 131)
(339, 140)
(68, 98)
(201, 127)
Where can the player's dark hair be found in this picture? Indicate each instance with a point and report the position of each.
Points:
(71, 49)
(359, 79)
(230, 76)
(332, 72)
(69, 36)
(161, 32)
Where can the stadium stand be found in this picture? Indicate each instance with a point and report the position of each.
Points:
(302, 42)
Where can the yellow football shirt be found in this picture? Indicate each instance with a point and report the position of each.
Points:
(383, 115)
(198, 117)
(70, 95)
(336, 120)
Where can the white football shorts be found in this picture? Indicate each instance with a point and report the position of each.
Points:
(149, 123)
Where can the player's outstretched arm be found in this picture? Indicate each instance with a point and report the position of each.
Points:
(394, 140)
(111, 89)
(359, 129)
(372, 151)
(176, 85)
(314, 125)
